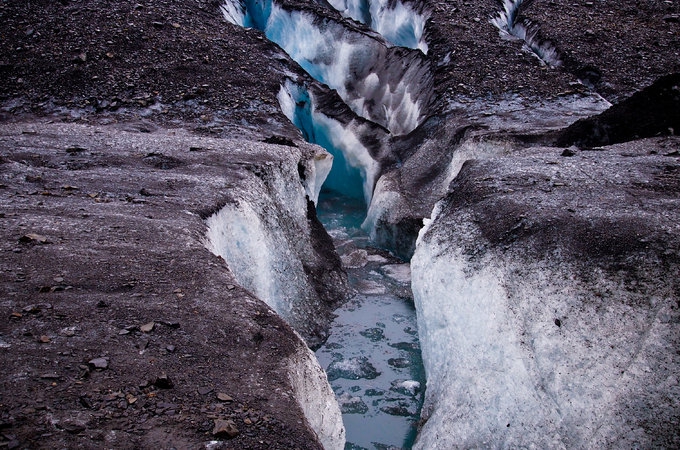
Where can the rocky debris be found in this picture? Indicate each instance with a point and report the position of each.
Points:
(128, 263)
(119, 63)
(99, 363)
(33, 238)
(163, 381)
(221, 396)
(225, 428)
(148, 327)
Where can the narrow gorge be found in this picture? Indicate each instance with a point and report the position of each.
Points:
(339, 224)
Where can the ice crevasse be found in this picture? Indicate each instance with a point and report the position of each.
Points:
(389, 86)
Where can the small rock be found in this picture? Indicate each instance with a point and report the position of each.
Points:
(99, 363)
(171, 323)
(225, 428)
(568, 152)
(33, 309)
(34, 239)
(143, 344)
(75, 149)
(68, 331)
(170, 348)
(205, 390)
(50, 376)
(163, 382)
(224, 397)
(147, 328)
(73, 427)
(102, 304)
(45, 339)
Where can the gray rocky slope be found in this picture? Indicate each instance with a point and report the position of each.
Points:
(128, 125)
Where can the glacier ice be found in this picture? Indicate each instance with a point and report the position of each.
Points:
(389, 86)
(354, 170)
(398, 22)
(263, 234)
(352, 369)
(316, 398)
(558, 347)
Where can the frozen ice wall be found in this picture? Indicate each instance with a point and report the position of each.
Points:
(400, 23)
(316, 398)
(264, 236)
(539, 352)
(389, 86)
(354, 170)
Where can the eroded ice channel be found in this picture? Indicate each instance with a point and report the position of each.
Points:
(372, 357)
(391, 86)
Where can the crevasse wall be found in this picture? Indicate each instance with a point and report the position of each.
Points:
(399, 23)
(544, 351)
(354, 169)
(264, 236)
(316, 398)
(509, 24)
(389, 86)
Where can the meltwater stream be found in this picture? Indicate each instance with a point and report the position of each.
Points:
(372, 357)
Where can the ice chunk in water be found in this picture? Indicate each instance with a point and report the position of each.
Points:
(406, 387)
(398, 272)
(352, 369)
(352, 405)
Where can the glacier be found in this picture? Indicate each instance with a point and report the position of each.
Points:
(510, 26)
(258, 233)
(399, 23)
(389, 86)
(354, 170)
(546, 313)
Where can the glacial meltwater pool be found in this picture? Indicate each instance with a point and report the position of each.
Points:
(372, 356)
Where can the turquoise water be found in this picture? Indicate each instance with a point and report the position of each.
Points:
(372, 356)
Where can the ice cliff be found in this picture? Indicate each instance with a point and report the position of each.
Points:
(547, 297)
(269, 236)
